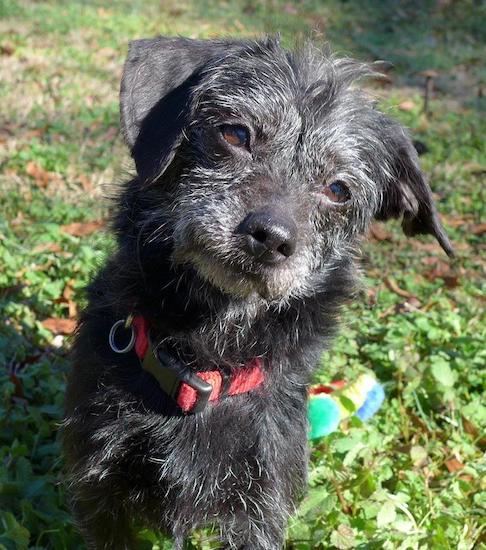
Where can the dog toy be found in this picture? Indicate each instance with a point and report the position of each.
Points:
(330, 404)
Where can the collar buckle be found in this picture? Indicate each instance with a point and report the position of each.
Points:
(171, 374)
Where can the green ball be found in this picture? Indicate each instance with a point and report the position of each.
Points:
(324, 416)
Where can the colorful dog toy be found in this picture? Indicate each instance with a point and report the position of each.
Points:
(330, 404)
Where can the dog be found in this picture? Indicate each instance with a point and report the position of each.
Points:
(258, 170)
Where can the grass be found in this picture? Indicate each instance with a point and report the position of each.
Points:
(414, 476)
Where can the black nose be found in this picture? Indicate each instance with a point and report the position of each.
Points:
(270, 236)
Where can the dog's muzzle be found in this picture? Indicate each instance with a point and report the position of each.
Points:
(270, 236)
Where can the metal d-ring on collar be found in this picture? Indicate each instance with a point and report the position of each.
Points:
(126, 323)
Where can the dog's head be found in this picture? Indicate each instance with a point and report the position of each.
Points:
(266, 165)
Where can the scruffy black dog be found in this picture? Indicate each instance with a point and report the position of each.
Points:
(258, 170)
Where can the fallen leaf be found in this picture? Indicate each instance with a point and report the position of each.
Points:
(466, 477)
(410, 304)
(441, 270)
(379, 233)
(427, 247)
(475, 168)
(454, 221)
(406, 105)
(469, 427)
(85, 182)
(478, 229)
(67, 295)
(7, 48)
(34, 267)
(35, 133)
(81, 229)
(393, 286)
(453, 465)
(59, 326)
(47, 247)
(41, 176)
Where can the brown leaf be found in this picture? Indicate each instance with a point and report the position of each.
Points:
(67, 295)
(406, 105)
(7, 48)
(34, 267)
(47, 247)
(453, 465)
(85, 182)
(392, 285)
(466, 477)
(35, 133)
(454, 221)
(478, 229)
(81, 229)
(379, 233)
(427, 247)
(469, 427)
(441, 270)
(41, 176)
(59, 326)
(475, 168)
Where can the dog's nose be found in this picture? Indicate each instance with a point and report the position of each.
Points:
(270, 236)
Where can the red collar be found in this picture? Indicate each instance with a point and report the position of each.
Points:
(192, 390)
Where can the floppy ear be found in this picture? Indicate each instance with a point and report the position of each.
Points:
(407, 193)
(156, 97)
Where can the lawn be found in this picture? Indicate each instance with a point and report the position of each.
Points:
(414, 477)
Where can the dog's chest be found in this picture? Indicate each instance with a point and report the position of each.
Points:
(236, 457)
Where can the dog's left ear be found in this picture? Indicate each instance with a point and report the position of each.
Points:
(156, 97)
(407, 193)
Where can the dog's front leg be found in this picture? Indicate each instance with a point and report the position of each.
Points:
(265, 532)
(109, 530)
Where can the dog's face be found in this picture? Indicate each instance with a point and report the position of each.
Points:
(268, 165)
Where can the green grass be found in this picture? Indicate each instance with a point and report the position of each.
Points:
(414, 476)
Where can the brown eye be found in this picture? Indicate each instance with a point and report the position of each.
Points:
(337, 191)
(236, 135)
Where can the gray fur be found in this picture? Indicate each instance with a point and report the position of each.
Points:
(181, 262)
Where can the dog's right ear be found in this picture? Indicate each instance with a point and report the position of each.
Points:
(156, 97)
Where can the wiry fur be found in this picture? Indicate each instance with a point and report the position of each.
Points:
(240, 464)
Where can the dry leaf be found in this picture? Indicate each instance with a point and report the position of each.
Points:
(469, 427)
(406, 105)
(453, 465)
(379, 233)
(67, 295)
(7, 48)
(441, 270)
(475, 168)
(392, 285)
(85, 182)
(35, 133)
(478, 229)
(81, 229)
(47, 247)
(427, 247)
(454, 221)
(59, 326)
(41, 176)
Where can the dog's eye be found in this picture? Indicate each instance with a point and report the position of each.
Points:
(236, 135)
(337, 191)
